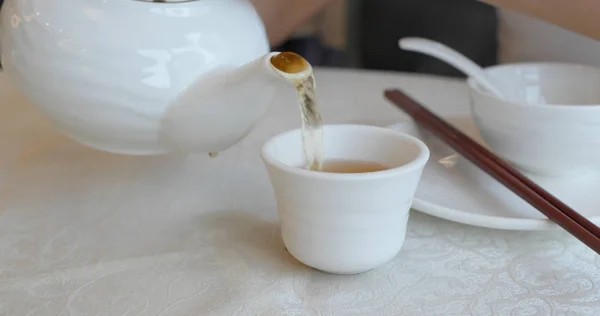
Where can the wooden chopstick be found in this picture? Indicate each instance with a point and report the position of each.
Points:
(573, 222)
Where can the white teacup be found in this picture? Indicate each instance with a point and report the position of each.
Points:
(550, 122)
(345, 223)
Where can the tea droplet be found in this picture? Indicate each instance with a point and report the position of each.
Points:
(213, 155)
(289, 62)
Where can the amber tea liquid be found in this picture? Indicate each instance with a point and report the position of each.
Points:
(352, 166)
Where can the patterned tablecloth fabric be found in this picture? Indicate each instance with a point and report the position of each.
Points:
(89, 233)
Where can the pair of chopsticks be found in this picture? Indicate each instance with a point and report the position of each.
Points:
(546, 203)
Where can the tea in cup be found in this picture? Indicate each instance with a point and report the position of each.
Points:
(351, 216)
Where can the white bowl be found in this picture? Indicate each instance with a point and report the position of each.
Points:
(549, 124)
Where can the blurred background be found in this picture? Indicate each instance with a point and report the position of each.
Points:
(365, 33)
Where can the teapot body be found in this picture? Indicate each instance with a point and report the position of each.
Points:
(105, 72)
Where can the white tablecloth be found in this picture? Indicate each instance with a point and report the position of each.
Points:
(89, 233)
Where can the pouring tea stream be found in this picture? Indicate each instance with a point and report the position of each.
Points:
(298, 71)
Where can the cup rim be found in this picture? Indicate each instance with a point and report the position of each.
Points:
(556, 106)
(418, 162)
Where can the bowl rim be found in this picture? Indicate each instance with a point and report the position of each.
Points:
(473, 87)
(418, 162)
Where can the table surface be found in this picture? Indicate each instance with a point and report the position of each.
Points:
(89, 233)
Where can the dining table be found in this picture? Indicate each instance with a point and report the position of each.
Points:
(85, 232)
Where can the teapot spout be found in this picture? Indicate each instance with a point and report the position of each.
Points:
(221, 107)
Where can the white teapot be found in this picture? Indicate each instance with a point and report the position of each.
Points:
(142, 77)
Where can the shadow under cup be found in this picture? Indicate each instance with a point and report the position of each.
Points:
(345, 223)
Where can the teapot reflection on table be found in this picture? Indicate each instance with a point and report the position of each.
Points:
(142, 77)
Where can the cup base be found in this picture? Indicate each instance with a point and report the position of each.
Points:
(339, 266)
(346, 272)
(330, 271)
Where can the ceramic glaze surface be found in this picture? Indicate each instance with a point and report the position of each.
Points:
(345, 223)
(551, 125)
(106, 71)
(453, 188)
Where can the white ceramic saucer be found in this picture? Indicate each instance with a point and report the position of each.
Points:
(454, 189)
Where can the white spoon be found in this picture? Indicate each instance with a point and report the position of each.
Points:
(454, 58)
